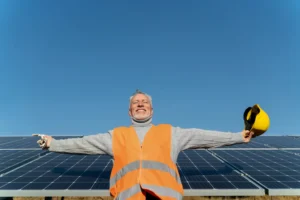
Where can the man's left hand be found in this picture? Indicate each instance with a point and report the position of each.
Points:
(247, 135)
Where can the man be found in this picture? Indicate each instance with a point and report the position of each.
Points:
(145, 154)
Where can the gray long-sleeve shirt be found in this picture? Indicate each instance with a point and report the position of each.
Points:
(181, 139)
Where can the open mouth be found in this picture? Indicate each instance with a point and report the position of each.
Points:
(141, 110)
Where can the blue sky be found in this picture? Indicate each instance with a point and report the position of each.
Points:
(69, 67)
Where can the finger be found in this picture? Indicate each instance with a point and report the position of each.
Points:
(39, 135)
(247, 133)
(40, 141)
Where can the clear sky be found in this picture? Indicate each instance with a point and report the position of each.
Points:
(68, 67)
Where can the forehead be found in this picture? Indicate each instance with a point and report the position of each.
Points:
(139, 97)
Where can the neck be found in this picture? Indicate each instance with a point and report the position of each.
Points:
(144, 122)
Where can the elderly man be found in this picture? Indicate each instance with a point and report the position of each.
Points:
(145, 154)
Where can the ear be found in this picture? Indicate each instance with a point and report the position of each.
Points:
(129, 113)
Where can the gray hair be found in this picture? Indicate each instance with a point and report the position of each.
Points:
(140, 92)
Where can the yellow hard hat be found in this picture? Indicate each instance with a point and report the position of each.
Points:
(256, 120)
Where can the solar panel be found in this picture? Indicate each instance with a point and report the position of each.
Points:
(201, 174)
(278, 141)
(274, 142)
(276, 170)
(296, 152)
(56, 174)
(24, 142)
(252, 144)
(10, 159)
(7, 140)
(237, 170)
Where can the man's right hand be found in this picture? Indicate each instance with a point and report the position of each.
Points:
(45, 140)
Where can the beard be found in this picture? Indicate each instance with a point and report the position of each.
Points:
(141, 116)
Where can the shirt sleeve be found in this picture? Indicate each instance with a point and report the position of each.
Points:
(199, 138)
(93, 144)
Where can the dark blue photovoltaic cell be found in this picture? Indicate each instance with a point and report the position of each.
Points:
(10, 159)
(6, 140)
(24, 142)
(251, 144)
(272, 168)
(296, 152)
(61, 171)
(198, 170)
(269, 142)
(201, 170)
(278, 141)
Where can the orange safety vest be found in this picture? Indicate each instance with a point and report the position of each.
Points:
(146, 167)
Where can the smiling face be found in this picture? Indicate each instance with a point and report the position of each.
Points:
(140, 107)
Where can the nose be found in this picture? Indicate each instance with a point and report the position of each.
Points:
(140, 104)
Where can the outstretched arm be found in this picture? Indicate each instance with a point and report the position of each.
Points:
(92, 144)
(199, 138)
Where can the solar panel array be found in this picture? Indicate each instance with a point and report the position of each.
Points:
(24, 142)
(267, 165)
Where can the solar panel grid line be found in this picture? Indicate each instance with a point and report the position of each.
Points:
(27, 142)
(293, 151)
(13, 141)
(64, 183)
(234, 149)
(217, 170)
(240, 171)
(196, 168)
(22, 162)
(236, 170)
(278, 141)
(289, 190)
(246, 145)
(268, 173)
(24, 142)
(185, 179)
(217, 186)
(269, 142)
(23, 149)
(61, 174)
(20, 177)
(263, 144)
(101, 174)
(85, 171)
(281, 165)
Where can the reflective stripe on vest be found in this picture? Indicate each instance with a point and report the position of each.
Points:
(129, 192)
(163, 191)
(145, 165)
(159, 190)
